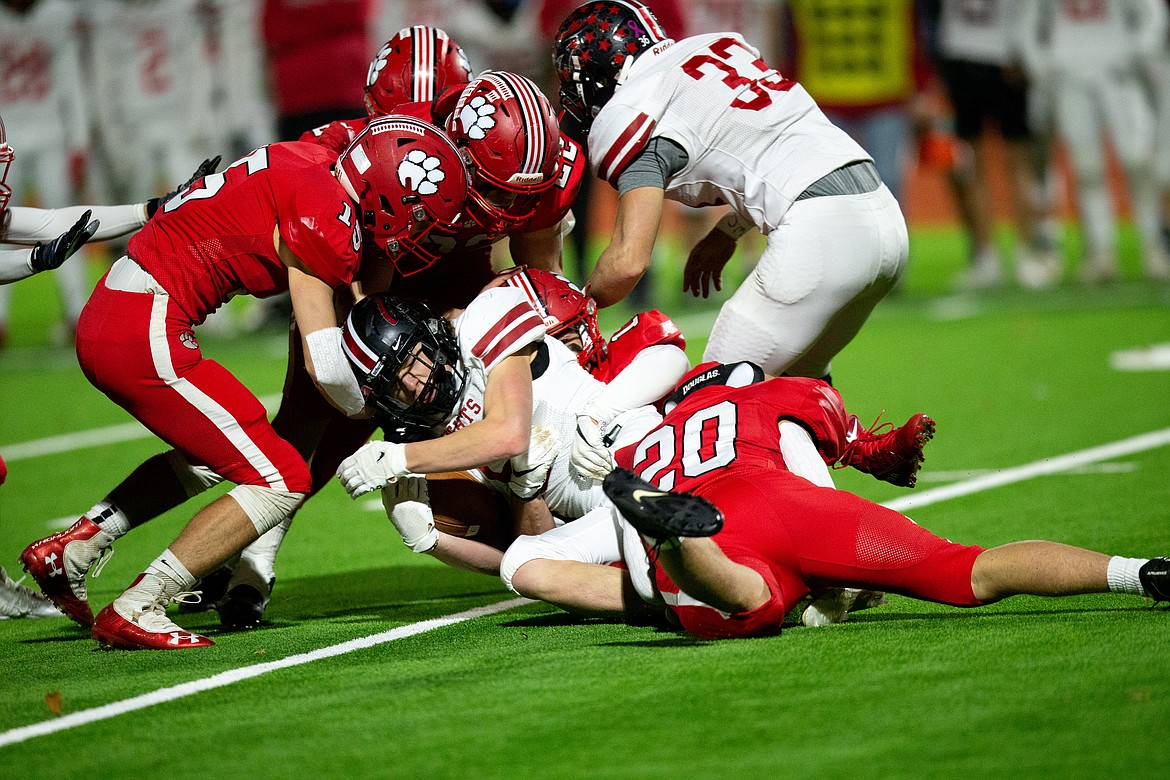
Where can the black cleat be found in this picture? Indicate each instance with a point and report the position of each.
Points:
(660, 514)
(1155, 578)
(243, 606)
(211, 589)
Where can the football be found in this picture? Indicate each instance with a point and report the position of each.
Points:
(464, 507)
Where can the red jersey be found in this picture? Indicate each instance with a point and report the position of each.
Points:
(215, 239)
(648, 329)
(716, 426)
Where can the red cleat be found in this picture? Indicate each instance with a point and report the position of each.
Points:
(60, 562)
(894, 455)
(139, 622)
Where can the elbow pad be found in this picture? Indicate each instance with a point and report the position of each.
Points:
(334, 375)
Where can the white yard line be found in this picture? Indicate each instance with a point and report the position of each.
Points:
(977, 484)
(1061, 463)
(94, 437)
(232, 676)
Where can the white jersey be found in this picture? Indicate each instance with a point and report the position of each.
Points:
(41, 92)
(982, 31)
(496, 324)
(754, 140)
(559, 393)
(1094, 39)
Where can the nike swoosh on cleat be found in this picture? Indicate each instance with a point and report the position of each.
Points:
(638, 494)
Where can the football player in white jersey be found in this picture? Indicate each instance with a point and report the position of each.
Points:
(1090, 55)
(705, 122)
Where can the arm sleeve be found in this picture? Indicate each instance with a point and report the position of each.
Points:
(30, 225)
(15, 264)
(658, 161)
(648, 377)
(334, 375)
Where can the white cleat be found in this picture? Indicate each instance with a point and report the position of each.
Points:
(835, 604)
(21, 601)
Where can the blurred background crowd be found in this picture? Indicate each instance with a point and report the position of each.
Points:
(1050, 115)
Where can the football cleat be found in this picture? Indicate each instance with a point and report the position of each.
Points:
(835, 604)
(894, 455)
(658, 514)
(1154, 576)
(243, 606)
(21, 601)
(211, 590)
(59, 564)
(247, 594)
(137, 620)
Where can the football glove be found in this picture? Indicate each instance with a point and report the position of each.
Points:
(530, 469)
(589, 456)
(408, 506)
(206, 167)
(46, 257)
(373, 467)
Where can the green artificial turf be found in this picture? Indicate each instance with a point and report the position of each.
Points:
(1030, 687)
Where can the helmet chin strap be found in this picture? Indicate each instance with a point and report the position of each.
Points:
(625, 71)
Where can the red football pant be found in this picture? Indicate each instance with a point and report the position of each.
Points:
(140, 350)
(802, 538)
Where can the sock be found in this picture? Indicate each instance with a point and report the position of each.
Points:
(171, 570)
(1123, 575)
(110, 519)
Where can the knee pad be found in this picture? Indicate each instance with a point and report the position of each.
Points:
(266, 507)
(194, 479)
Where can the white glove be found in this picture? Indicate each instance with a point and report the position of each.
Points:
(373, 467)
(530, 469)
(590, 457)
(408, 506)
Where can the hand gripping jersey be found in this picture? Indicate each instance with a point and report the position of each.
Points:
(336, 135)
(754, 139)
(215, 239)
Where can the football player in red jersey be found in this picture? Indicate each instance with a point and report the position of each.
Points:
(416, 65)
(774, 536)
(283, 217)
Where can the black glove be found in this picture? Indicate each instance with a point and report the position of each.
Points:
(46, 257)
(206, 167)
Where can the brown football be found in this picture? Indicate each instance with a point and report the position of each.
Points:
(464, 507)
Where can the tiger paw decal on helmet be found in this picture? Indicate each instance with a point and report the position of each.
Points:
(421, 172)
(476, 118)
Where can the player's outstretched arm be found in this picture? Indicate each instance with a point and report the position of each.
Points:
(631, 246)
(46, 257)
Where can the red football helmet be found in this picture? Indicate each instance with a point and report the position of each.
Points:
(6, 156)
(564, 308)
(407, 179)
(593, 49)
(412, 67)
(506, 131)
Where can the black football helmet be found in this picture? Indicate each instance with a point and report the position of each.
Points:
(385, 334)
(592, 48)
